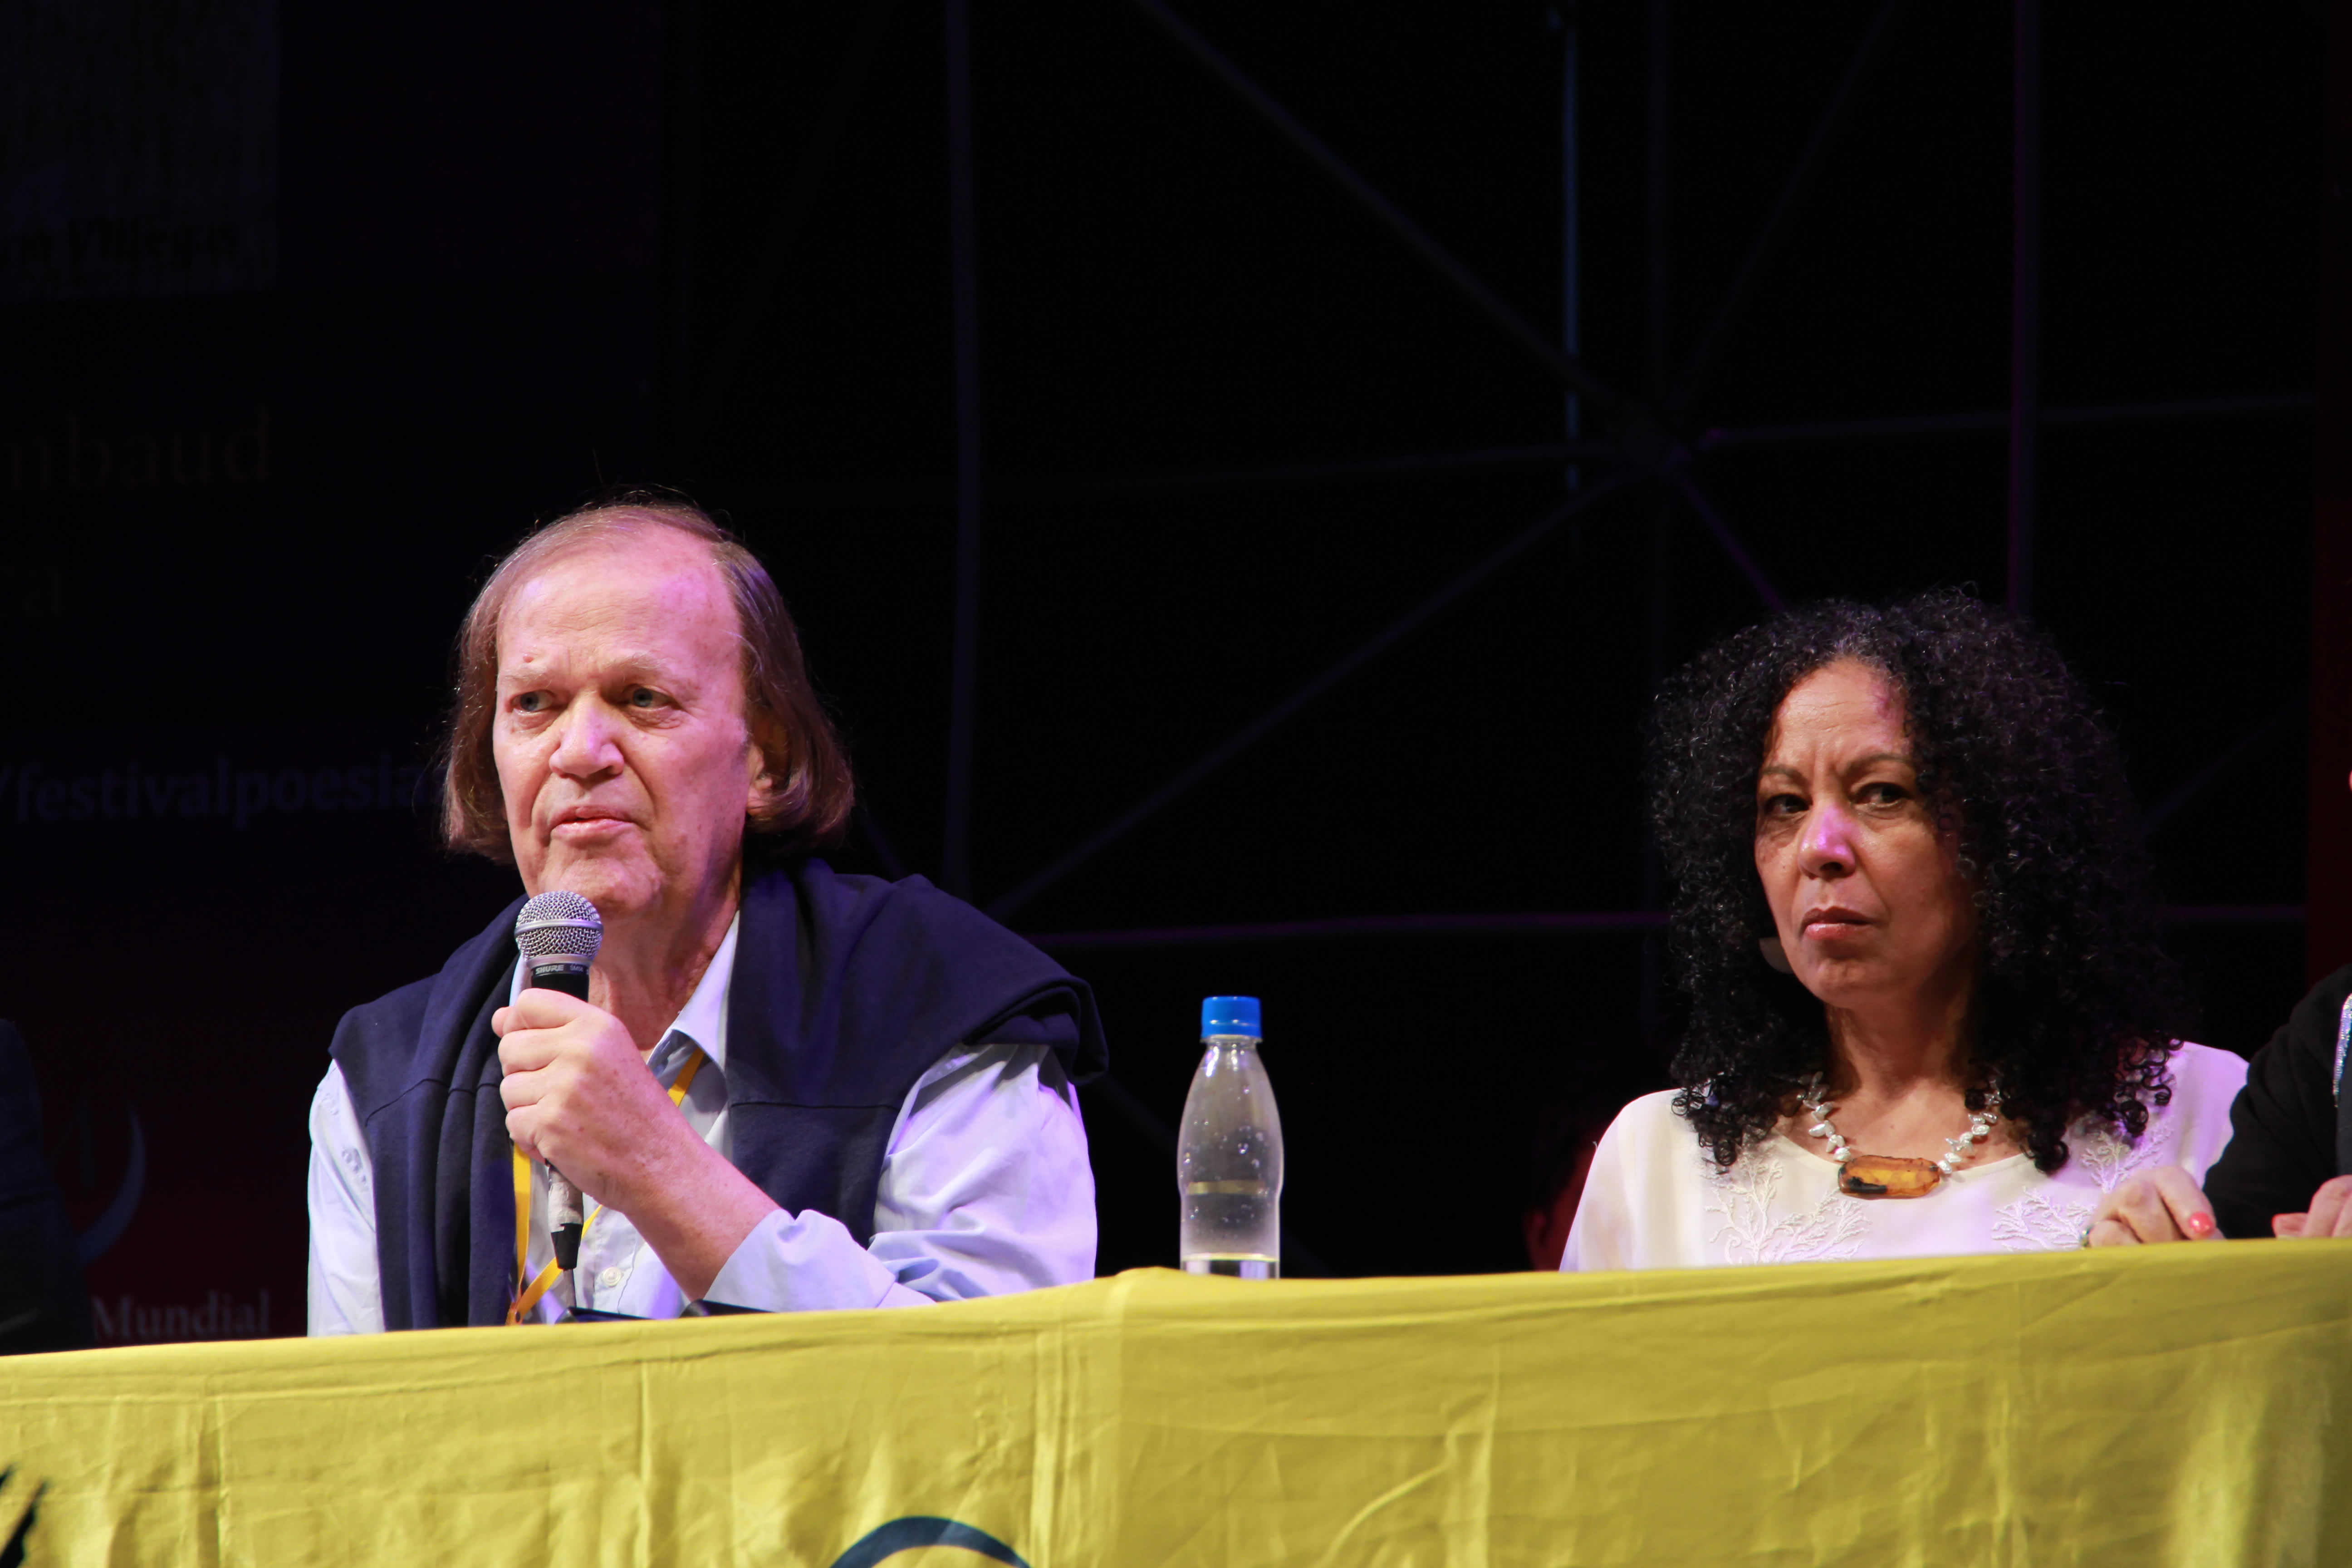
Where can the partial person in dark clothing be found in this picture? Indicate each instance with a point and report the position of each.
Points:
(2284, 1171)
(43, 1306)
(2288, 1170)
(2283, 1152)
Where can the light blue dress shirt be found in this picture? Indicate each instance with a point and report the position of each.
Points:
(985, 1189)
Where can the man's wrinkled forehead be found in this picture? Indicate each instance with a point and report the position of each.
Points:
(654, 590)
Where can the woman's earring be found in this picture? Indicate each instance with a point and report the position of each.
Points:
(1775, 955)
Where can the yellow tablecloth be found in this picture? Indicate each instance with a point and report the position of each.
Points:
(2185, 1404)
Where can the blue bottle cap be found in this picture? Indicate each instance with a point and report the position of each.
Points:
(1230, 1016)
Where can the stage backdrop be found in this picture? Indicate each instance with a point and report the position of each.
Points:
(2180, 1405)
(308, 311)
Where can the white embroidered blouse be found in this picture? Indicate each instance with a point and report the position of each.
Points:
(1654, 1200)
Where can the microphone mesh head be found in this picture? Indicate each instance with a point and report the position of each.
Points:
(559, 922)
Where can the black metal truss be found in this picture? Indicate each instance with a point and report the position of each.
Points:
(1622, 445)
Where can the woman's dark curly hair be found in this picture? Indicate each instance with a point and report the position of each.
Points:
(2076, 1008)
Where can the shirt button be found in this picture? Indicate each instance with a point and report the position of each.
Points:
(607, 1280)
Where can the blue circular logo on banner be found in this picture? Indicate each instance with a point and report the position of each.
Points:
(925, 1530)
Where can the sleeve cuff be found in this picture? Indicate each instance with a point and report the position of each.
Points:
(807, 1262)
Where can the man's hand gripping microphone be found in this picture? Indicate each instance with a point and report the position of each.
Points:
(558, 934)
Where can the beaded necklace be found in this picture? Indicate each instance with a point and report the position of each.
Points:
(1892, 1175)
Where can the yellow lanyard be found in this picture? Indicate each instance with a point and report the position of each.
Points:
(532, 1292)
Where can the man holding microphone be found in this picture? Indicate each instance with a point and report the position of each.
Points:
(786, 1089)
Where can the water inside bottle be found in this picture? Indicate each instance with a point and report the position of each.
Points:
(1229, 1168)
(1231, 1225)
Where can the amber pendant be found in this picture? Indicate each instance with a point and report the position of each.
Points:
(1887, 1176)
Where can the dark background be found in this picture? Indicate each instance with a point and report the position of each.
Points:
(310, 312)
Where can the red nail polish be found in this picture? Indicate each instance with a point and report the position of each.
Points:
(2200, 1226)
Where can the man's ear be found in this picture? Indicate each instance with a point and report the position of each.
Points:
(762, 786)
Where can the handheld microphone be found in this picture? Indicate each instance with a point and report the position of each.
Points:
(558, 934)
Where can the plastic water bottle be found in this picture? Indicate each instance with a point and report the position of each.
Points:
(1229, 1151)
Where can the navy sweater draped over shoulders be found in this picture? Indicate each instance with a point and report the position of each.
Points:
(845, 991)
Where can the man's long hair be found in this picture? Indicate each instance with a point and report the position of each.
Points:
(811, 793)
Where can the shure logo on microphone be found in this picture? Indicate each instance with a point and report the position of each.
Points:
(226, 793)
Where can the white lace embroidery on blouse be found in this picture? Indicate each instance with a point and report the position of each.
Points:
(1741, 1198)
(2106, 1159)
(2044, 1221)
(1655, 1199)
(2034, 1224)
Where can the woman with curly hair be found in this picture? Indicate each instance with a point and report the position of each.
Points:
(1928, 1012)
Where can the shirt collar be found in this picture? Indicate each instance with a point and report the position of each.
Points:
(702, 1022)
